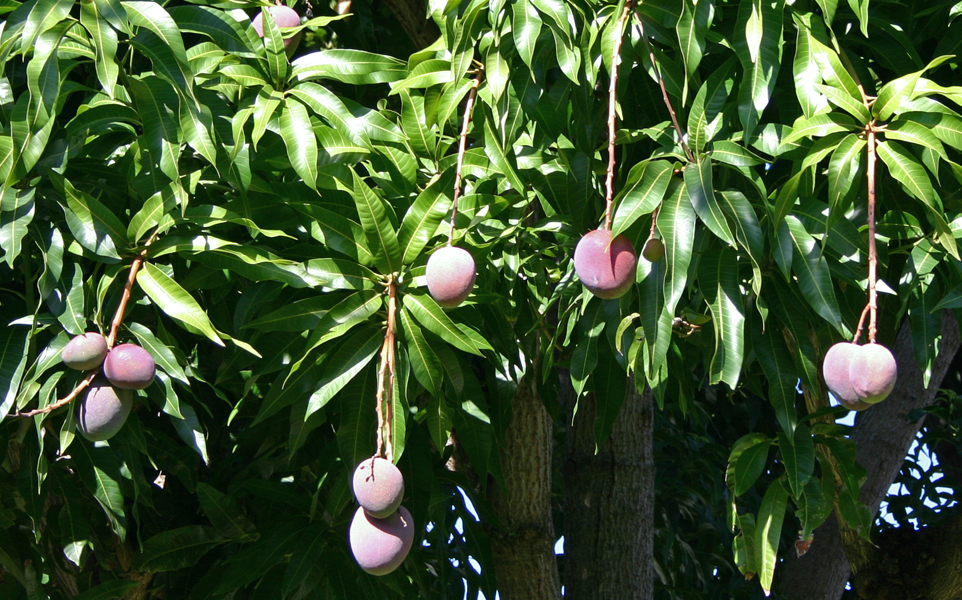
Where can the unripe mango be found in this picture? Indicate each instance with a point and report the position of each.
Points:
(605, 266)
(654, 250)
(873, 373)
(450, 275)
(104, 410)
(381, 545)
(378, 487)
(129, 367)
(284, 16)
(85, 352)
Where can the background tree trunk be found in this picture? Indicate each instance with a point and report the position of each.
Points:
(523, 544)
(884, 435)
(609, 501)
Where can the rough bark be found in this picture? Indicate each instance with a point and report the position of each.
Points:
(411, 14)
(523, 544)
(883, 435)
(609, 502)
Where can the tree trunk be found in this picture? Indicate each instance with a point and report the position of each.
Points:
(523, 544)
(883, 435)
(609, 501)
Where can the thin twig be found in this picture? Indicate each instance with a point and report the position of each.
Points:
(872, 254)
(119, 315)
(654, 223)
(861, 324)
(111, 337)
(664, 93)
(84, 383)
(612, 105)
(462, 148)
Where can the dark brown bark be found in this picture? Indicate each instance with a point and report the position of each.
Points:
(883, 435)
(609, 502)
(411, 15)
(523, 544)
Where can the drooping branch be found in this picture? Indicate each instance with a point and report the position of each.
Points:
(385, 378)
(111, 336)
(664, 92)
(462, 148)
(612, 112)
(872, 254)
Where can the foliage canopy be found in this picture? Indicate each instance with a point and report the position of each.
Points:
(274, 202)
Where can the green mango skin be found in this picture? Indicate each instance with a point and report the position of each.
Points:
(85, 352)
(104, 410)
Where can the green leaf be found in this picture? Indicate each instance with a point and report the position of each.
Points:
(844, 170)
(749, 463)
(611, 386)
(676, 222)
(92, 224)
(426, 74)
(427, 312)
(13, 360)
(909, 131)
(109, 590)
(496, 154)
(218, 25)
(174, 300)
(304, 557)
(798, 453)
(819, 125)
(706, 114)
(643, 192)
(779, 369)
(348, 66)
(165, 64)
(225, 515)
(159, 110)
(253, 562)
(158, 21)
(176, 549)
(814, 276)
(414, 121)
(698, 182)
(427, 367)
(427, 212)
(356, 352)
(584, 359)
(526, 28)
(276, 51)
(292, 385)
(748, 231)
(99, 470)
(909, 172)
(719, 278)
(17, 210)
(768, 531)
(761, 72)
(733, 154)
(841, 99)
(692, 30)
(895, 92)
(833, 72)
(299, 139)
(104, 40)
(381, 237)
(805, 68)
